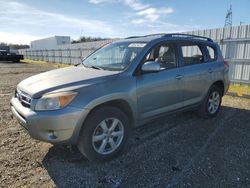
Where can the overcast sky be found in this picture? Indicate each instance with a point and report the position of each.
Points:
(22, 21)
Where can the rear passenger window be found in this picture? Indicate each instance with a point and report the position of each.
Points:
(211, 53)
(192, 54)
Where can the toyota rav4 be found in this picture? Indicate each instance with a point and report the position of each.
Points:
(122, 85)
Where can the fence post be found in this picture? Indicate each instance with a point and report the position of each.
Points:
(42, 55)
(81, 56)
(69, 55)
(53, 54)
(60, 53)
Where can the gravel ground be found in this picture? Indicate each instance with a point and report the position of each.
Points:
(181, 150)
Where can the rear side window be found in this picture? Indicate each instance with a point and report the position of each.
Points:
(192, 54)
(211, 53)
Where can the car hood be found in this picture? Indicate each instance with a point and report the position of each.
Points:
(74, 76)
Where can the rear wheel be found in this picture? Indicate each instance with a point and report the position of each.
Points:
(104, 134)
(211, 104)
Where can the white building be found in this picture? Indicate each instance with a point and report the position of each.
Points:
(49, 43)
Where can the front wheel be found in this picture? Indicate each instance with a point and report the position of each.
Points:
(211, 104)
(104, 134)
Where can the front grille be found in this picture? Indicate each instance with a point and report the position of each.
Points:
(24, 98)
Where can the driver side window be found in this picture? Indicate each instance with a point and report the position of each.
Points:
(164, 54)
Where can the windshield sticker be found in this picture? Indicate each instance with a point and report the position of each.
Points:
(137, 45)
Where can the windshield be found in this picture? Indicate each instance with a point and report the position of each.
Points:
(114, 56)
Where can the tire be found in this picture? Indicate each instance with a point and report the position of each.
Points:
(212, 103)
(97, 141)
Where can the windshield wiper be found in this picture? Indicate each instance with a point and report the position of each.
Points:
(92, 66)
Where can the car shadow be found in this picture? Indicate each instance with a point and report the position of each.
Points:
(155, 153)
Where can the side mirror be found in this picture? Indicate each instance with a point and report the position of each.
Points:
(151, 66)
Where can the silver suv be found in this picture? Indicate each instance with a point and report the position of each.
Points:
(122, 85)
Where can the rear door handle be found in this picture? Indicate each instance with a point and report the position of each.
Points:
(210, 71)
(178, 77)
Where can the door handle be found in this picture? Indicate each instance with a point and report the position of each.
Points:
(210, 71)
(178, 77)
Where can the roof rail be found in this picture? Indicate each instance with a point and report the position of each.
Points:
(187, 35)
(150, 35)
(133, 37)
(173, 35)
(156, 34)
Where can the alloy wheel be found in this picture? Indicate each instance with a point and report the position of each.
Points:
(108, 136)
(213, 102)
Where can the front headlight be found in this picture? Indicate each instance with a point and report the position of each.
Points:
(54, 101)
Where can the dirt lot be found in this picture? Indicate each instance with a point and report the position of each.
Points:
(178, 151)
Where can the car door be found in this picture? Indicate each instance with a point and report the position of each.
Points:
(197, 72)
(158, 92)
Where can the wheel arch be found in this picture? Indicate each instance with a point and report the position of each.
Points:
(121, 104)
(221, 85)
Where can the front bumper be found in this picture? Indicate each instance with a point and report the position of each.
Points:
(60, 126)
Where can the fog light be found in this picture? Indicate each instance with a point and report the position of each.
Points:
(52, 135)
